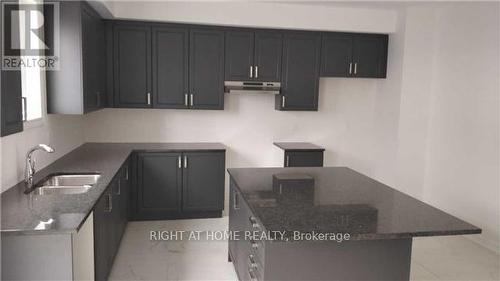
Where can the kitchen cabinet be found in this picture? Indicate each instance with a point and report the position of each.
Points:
(78, 87)
(159, 184)
(206, 68)
(179, 184)
(303, 159)
(253, 55)
(11, 102)
(132, 65)
(11, 106)
(170, 67)
(301, 154)
(354, 55)
(110, 220)
(300, 78)
(201, 168)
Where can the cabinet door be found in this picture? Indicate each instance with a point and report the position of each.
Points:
(304, 159)
(239, 55)
(206, 69)
(91, 60)
(132, 58)
(11, 103)
(170, 67)
(268, 52)
(370, 55)
(102, 228)
(159, 184)
(203, 181)
(300, 77)
(336, 55)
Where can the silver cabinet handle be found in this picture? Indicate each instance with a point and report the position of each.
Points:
(98, 97)
(355, 68)
(251, 71)
(179, 161)
(251, 262)
(252, 275)
(350, 68)
(126, 173)
(236, 203)
(185, 162)
(110, 204)
(186, 100)
(119, 188)
(25, 108)
(283, 101)
(149, 98)
(191, 103)
(254, 222)
(287, 162)
(256, 72)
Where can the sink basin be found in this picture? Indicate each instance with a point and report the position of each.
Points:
(66, 184)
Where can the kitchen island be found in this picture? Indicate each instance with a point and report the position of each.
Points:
(326, 223)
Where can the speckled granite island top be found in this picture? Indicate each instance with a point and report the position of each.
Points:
(22, 213)
(339, 200)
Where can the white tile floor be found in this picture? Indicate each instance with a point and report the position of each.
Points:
(433, 258)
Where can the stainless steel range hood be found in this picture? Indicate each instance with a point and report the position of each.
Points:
(245, 87)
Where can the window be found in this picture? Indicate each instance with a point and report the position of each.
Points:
(32, 77)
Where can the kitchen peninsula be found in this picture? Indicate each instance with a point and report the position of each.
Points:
(380, 222)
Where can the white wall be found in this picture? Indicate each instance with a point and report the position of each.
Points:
(259, 14)
(64, 133)
(462, 160)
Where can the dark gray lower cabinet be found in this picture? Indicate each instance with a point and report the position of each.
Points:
(203, 181)
(159, 183)
(110, 220)
(300, 75)
(178, 185)
(303, 158)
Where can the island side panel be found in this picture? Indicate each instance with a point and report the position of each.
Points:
(382, 260)
(36, 257)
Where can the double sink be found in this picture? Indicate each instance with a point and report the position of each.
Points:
(66, 184)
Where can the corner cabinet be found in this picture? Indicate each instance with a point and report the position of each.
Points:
(11, 102)
(179, 184)
(354, 55)
(300, 78)
(78, 87)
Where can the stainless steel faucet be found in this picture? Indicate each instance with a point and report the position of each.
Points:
(30, 163)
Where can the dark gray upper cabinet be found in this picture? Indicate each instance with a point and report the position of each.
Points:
(370, 55)
(268, 53)
(159, 184)
(336, 55)
(239, 55)
(132, 65)
(203, 181)
(253, 55)
(11, 101)
(78, 86)
(303, 158)
(300, 78)
(206, 68)
(354, 55)
(170, 67)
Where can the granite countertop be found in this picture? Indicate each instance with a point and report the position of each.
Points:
(339, 200)
(32, 214)
(306, 146)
